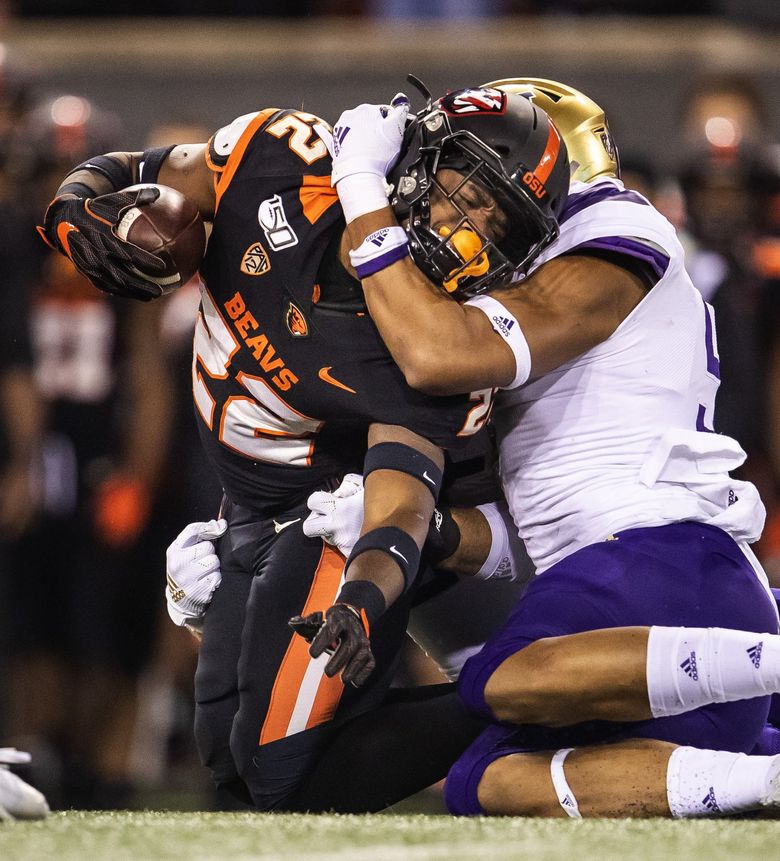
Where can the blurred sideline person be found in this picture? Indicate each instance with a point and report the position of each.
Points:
(22, 417)
(650, 627)
(163, 749)
(292, 385)
(728, 195)
(76, 658)
(725, 110)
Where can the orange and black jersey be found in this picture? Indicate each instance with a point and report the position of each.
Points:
(286, 388)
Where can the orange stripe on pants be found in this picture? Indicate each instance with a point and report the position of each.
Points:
(296, 661)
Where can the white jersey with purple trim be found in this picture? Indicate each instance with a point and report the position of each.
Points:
(621, 436)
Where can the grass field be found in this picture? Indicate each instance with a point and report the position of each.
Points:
(84, 836)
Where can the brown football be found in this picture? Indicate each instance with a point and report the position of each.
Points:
(170, 227)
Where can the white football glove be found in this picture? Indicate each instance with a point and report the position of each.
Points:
(192, 572)
(337, 517)
(366, 142)
(18, 800)
(367, 139)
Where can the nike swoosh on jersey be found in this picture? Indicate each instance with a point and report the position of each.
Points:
(327, 378)
(278, 527)
(428, 478)
(398, 553)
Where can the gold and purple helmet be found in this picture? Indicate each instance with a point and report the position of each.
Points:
(581, 122)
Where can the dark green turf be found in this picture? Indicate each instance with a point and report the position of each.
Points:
(138, 836)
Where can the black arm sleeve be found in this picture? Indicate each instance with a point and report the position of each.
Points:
(101, 174)
(151, 162)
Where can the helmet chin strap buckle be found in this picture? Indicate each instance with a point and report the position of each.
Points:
(467, 244)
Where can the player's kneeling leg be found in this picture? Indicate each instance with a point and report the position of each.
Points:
(636, 777)
(617, 780)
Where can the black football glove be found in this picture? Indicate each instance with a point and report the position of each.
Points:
(342, 633)
(83, 230)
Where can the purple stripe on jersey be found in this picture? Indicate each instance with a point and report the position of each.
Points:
(633, 248)
(582, 199)
(713, 362)
(700, 426)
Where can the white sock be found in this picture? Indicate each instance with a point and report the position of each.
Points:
(712, 782)
(691, 667)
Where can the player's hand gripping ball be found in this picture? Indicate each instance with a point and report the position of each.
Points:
(168, 225)
(138, 243)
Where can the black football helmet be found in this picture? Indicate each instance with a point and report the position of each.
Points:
(508, 147)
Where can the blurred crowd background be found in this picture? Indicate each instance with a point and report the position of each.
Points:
(99, 462)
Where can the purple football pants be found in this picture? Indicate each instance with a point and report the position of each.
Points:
(685, 574)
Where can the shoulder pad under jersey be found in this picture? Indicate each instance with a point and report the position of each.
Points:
(224, 141)
(605, 210)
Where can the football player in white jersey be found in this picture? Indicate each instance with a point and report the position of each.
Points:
(644, 653)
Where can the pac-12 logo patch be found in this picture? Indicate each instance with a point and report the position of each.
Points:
(296, 322)
(478, 100)
(255, 260)
(273, 220)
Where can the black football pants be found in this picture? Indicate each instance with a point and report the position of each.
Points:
(265, 711)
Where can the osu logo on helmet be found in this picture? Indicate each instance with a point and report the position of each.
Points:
(296, 322)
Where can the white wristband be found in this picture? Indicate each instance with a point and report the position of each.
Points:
(507, 326)
(379, 250)
(498, 565)
(361, 193)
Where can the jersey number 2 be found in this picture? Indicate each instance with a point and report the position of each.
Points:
(304, 138)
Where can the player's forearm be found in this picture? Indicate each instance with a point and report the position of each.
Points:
(474, 543)
(397, 501)
(440, 346)
(92, 180)
(184, 168)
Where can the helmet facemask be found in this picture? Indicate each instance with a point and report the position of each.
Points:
(461, 258)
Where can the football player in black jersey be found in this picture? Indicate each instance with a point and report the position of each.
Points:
(293, 388)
